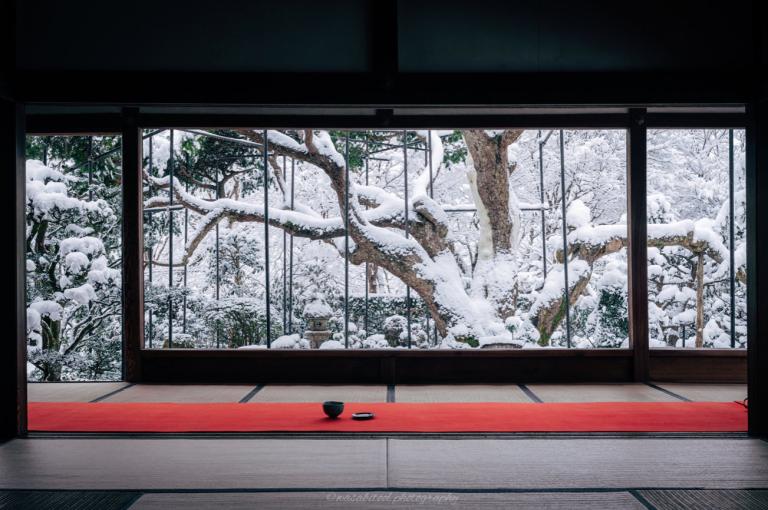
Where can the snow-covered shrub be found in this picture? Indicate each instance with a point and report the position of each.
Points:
(395, 329)
(381, 306)
(239, 320)
(375, 342)
(332, 345)
(73, 274)
(293, 341)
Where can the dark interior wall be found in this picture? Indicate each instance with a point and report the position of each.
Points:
(182, 35)
(432, 35)
(757, 234)
(7, 36)
(566, 36)
(613, 51)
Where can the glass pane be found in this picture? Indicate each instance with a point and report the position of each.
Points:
(213, 293)
(690, 238)
(477, 261)
(536, 182)
(596, 219)
(73, 221)
(593, 170)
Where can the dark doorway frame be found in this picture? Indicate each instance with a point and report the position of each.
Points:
(611, 365)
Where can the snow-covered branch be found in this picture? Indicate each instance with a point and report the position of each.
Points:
(590, 242)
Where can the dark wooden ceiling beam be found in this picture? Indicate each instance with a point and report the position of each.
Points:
(103, 123)
(384, 90)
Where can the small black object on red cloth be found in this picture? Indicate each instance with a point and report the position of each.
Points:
(332, 408)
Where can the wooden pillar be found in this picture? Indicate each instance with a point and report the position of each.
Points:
(757, 270)
(637, 250)
(757, 231)
(133, 247)
(13, 359)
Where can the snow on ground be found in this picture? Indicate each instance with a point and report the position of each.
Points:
(331, 345)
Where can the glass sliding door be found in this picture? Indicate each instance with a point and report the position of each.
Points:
(404, 239)
(697, 238)
(73, 258)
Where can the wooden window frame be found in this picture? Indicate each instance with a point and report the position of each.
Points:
(637, 363)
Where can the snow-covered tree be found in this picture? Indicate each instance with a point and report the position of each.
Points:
(481, 246)
(489, 298)
(73, 277)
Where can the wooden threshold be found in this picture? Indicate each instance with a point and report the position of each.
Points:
(434, 367)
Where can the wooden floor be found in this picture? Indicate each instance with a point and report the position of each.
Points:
(595, 472)
(387, 471)
(123, 392)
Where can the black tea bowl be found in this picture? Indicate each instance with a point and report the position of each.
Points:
(333, 409)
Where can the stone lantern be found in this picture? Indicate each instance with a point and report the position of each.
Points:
(317, 313)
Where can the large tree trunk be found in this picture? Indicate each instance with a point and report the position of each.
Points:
(490, 184)
(495, 271)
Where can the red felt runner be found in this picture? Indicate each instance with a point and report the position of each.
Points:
(392, 417)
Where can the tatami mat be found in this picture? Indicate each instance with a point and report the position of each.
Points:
(171, 464)
(406, 464)
(719, 499)
(70, 500)
(708, 392)
(460, 393)
(321, 393)
(181, 393)
(88, 391)
(599, 393)
(70, 391)
(386, 500)
(578, 463)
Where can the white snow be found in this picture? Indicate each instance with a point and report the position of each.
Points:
(317, 308)
(76, 261)
(33, 319)
(421, 183)
(485, 240)
(331, 344)
(578, 214)
(324, 145)
(81, 295)
(88, 245)
(293, 341)
(47, 308)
